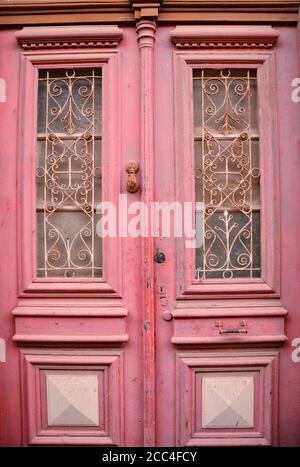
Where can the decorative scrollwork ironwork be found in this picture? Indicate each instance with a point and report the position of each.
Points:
(227, 175)
(68, 180)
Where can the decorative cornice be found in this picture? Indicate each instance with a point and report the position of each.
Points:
(236, 4)
(224, 36)
(30, 12)
(69, 36)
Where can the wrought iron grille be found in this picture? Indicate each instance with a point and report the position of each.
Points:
(68, 173)
(227, 174)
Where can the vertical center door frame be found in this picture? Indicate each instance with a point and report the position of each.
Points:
(146, 29)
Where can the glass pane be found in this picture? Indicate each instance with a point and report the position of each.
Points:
(227, 175)
(68, 174)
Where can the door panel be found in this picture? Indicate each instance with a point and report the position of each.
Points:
(229, 398)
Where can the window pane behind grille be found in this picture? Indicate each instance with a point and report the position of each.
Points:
(68, 173)
(227, 175)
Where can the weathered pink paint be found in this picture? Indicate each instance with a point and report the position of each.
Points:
(152, 366)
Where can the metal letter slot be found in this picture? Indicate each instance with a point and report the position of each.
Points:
(233, 331)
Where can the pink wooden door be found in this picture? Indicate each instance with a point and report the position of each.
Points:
(149, 337)
(72, 301)
(227, 318)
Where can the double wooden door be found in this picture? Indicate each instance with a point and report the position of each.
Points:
(149, 187)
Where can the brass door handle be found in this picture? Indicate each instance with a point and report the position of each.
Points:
(132, 185)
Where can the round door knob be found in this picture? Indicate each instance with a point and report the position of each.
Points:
(167, 315)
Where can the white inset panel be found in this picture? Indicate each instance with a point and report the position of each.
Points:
(73, 398)
(227, 400)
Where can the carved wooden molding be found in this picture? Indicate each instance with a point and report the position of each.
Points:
(19, 12)
(146, 38)
(192, 370)
(224, 37)
(87, 324)
(268, 286)
(146, 8)
(31, 60)
(146, 33)
(108, 369)
(238, 5)
(69, 36)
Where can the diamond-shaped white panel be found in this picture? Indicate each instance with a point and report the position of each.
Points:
(72, 398)
(227, 400)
